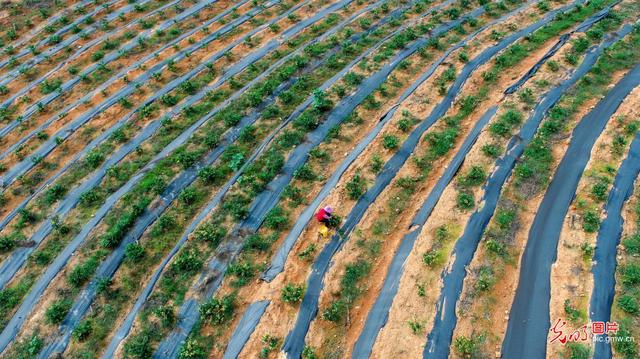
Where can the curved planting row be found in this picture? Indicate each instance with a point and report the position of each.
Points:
(605, 252)
(529, 321)
(486, 271)
(378, 315)
(617, 304)
(439, 340)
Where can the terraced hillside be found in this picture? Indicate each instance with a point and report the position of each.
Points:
(162, 163)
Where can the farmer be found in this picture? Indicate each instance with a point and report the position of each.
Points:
(324, 217)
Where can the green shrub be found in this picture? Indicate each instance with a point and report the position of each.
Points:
(415, 326)
(57, 311)
(553, 65)
(497, 248)
(527, 96)
(390, 142)
(112, 237)
(599, 191)
(277, 219)
(475, 176)
(376, 163)
(309, 353)
(7, 243)
(465, 201)
(587, 250)
(166, 315)
(571, 58)
(256, 242)
(97, 55)
(320, 154)
(305, 173)
(169, 100)
(307, 253)
(465, 346)
(133, 252)
(292, 293)
(165, 223)
(191, 349)
(618, 145)
(335, 312)
(294, 195)
(54, 193)
(28, 348)
(89, 198)
(629, 304)
(573, 314)
(578, 351)
(356, 186)
(353, 273)
(49, 86)
(210, 233)
(103, 285)
(139, 346)
(590, 221)
(433, 258)
(83, 330)
(94, 159)
(186, 158)
(306, 122)
(213, 175)
(507, 121)
(628, 348)
(353, 79)
(321, 101)
(218, 310)
(440, 142)
(244, 271)
(485, 279)
(248, 134)
(404, 124)
(271, 343)
(187, 261)
(505, 218)
(189, 195)
(82, 272)
(631, 274)
(632, 244)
